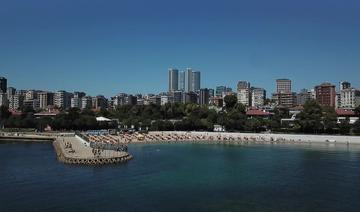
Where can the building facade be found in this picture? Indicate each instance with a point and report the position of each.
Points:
(349, 98)
(258, 96)
(326, 94)
(204, 96)
(173, 80)
(244, 93)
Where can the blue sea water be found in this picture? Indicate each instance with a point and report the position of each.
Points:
(185, 177)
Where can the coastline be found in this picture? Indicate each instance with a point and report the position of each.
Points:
(234, 138)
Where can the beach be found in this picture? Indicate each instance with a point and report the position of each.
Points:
(232, 138)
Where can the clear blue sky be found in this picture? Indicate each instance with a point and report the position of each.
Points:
(106, 47)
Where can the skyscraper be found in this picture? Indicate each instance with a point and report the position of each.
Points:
(188, 80)
(182, 81)
(173, 80)
(3, 85)
(195, 81)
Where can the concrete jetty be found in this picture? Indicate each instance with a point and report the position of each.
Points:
(73, 150)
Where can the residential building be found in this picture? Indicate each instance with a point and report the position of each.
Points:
(62, 99)
(284, 96)
(100, 102)
(173, 80)
(76, 100)
(45, 99)
(3, 85)
(303, 96)
(258, 96)
(190, 97)
(284, 99)
(10, 92)
(283, 86)
(182, 81)
(31, 94)
(195, 81)
(176, 96)
(3, 99)
(244, 93)
(204, 96)
(326, 94)
(344, 85)
(86, 102)
(349, 98)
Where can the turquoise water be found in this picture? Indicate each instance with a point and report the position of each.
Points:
(185, 177)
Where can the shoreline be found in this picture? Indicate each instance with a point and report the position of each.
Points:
(233, 138)
(154, 137)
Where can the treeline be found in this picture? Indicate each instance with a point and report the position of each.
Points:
(313, 119)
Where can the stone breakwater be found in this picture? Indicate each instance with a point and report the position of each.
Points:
(81, 154)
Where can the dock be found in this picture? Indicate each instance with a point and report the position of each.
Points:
(74, 150)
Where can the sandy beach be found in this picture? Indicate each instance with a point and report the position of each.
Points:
(232, 138)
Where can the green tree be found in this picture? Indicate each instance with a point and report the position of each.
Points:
(310, 118)
(329, 119)
(230, 101)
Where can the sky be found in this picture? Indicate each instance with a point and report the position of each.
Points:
(112, 46)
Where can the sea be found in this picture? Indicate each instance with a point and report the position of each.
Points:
(185, 177)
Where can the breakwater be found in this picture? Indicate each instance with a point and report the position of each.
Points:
(27, 138)
(84, 155)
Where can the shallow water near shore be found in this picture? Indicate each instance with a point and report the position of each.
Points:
(185, 177)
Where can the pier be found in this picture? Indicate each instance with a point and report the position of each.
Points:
(74, 150)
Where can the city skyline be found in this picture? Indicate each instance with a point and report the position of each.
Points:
(50, 45)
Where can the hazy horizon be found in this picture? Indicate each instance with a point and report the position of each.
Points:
(128, 46)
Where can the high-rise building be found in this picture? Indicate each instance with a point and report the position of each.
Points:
(182, 81)
(195, 81)
(204, 96)
(177, 96)
(3, 85)
(31, 94)
(100, 102)
(188, 80)
(220, 90)
(10, 92)
(76, 100)
(303, 96)
(326, 94)
(284, 96)
(173, 79)
(45, 99)
(3, 99)
(243, 93)
(190, 97)
(344, 85)
(16, 101)
(283, 86)
(211, 92)
(86, 102)
(349, 98)
(62, 99)
(258, 96)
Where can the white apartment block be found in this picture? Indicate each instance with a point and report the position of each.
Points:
(349, 98)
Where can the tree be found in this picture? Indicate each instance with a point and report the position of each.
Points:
(357, 111)
(310, 118)
(230, 101)
(356, 127)
(329, 119)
